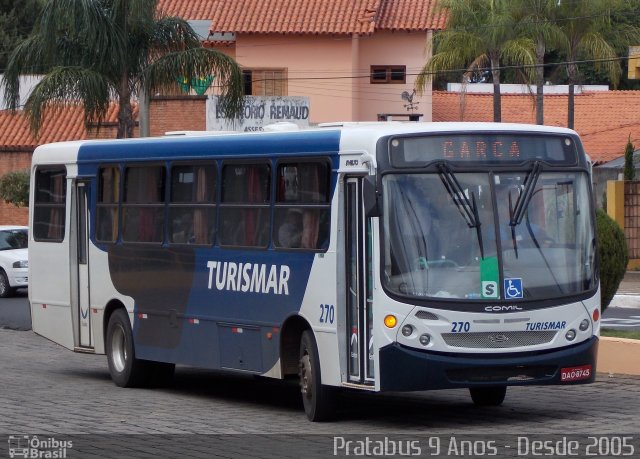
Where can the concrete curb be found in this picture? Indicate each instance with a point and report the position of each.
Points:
(619, 356)
(624, 300)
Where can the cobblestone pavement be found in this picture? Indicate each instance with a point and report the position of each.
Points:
(46, 389)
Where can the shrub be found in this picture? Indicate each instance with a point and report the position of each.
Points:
(629, 168)
(614, 256)
(14, 188)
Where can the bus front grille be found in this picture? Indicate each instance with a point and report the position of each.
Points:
(498, 340)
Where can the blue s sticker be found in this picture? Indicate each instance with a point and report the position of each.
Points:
(513, 288)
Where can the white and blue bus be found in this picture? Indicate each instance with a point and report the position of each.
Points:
(372, 256)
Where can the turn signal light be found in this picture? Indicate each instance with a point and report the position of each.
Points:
(390, 321)
(596, 315)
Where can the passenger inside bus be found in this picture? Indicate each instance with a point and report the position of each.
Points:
(290, 232)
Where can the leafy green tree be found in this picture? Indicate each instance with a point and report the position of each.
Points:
(14, 188)
(479, 34)
(589, 33)
(16, 21)
(629, 167)
(102, 50)
(536, 20)
(613, 254)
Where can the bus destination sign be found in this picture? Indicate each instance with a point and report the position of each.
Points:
(417, 151)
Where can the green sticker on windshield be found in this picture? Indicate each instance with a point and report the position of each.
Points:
(489, 278)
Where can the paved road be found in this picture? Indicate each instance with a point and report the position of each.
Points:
(56, 393)
(14, 312)
(621, 318)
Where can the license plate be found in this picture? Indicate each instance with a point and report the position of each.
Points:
(575, 373)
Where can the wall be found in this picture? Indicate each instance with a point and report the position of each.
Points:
(314, 64)
(13, 161)
(177, 113)
(392, 48)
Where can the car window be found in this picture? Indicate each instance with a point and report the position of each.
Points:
(13, 239)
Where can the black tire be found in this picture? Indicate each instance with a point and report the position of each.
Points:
(125, 369)
(5, 289)
(318, 400)
(488, 396)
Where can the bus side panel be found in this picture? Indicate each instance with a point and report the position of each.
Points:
(50, 288)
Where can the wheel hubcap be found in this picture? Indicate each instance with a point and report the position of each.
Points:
(306, 384)
(3, 285)
(118, 349)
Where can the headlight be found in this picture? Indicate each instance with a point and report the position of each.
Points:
(21, 264)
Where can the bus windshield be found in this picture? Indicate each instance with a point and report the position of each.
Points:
(488, 236)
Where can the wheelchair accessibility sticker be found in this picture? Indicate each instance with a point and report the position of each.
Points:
(513, 288)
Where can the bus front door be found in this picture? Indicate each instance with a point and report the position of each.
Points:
(85, 338)
(359, 290)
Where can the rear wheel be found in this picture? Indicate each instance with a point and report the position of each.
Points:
(318, 400)
(125, 369)
(488, 396)
(5, 288)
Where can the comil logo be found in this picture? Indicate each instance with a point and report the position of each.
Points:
(34, 447)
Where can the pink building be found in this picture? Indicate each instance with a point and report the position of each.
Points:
(353, 59)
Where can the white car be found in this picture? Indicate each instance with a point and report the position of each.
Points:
(14, 264)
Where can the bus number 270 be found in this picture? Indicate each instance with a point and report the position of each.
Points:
(460, 327)
(327, 313)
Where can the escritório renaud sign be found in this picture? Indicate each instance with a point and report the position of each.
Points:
(259, 111)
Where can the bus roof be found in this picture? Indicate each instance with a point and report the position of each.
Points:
(328, 138)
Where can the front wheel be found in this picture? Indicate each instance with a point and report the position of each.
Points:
(125, 369)
(318, 400)
(488, 396)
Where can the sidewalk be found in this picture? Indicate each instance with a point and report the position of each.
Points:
(628, 294)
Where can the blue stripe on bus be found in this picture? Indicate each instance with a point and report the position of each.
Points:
(181, 147)
(232, 326)
(228, 329)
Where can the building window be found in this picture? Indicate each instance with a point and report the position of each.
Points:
(388, 74)
(265, 82)
(49, 209)
(192, 209)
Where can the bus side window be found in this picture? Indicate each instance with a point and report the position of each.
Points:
(143, 205)
(302, 205)
(192, 210)
(245, 203)
(50, 204)
(107, 205)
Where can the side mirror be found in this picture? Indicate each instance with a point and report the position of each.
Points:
(369, 196)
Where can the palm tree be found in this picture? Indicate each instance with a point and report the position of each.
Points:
(478, 34)
(536, 20)
(586, 26)
(99, 51)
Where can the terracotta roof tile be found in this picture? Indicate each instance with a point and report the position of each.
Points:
(323, 16)
(58, 126)
(604, 120)
(410, 15)
(188, 9)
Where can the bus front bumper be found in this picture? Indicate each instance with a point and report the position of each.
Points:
(406, 369)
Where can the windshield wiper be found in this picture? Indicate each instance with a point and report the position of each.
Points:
(460, 199)
(468, 209)
(522, 203)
